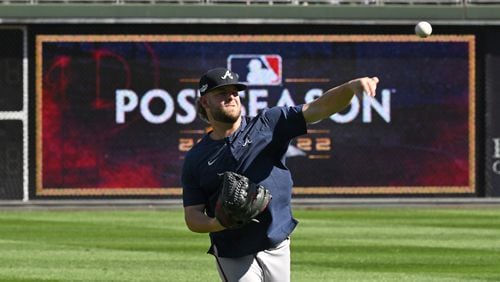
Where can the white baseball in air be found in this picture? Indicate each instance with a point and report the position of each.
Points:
(423, 29)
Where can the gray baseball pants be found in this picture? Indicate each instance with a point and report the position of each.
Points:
(272, 265)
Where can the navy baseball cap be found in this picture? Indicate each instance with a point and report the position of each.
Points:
(219, 77)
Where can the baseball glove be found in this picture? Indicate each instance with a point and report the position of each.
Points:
(240, 201)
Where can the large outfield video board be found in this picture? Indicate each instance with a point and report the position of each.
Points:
(116, 115)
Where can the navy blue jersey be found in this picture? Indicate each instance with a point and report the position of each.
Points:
(257, 150)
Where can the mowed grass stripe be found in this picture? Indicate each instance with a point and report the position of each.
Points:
(400, 245)
(392, 244)
(101, 246)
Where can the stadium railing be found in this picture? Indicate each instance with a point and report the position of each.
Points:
(251, 2)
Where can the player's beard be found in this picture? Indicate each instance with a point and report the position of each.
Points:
(221, 115)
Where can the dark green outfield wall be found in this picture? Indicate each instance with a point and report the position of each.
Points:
(482, 21)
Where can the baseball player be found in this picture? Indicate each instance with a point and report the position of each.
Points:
(258, 250)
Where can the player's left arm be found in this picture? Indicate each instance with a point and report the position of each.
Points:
(336, 99)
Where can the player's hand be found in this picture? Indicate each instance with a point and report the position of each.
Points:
(364, 85)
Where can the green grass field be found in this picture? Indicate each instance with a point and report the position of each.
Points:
(366, 244)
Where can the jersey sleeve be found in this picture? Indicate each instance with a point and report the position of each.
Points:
(288, 122)
(192, 194)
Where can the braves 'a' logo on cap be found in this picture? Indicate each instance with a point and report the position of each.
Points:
(227, 74)
(256, 69)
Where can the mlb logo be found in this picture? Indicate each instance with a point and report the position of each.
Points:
(256, 69)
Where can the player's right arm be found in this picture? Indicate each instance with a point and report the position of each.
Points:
(336, 99)
(198, 221)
